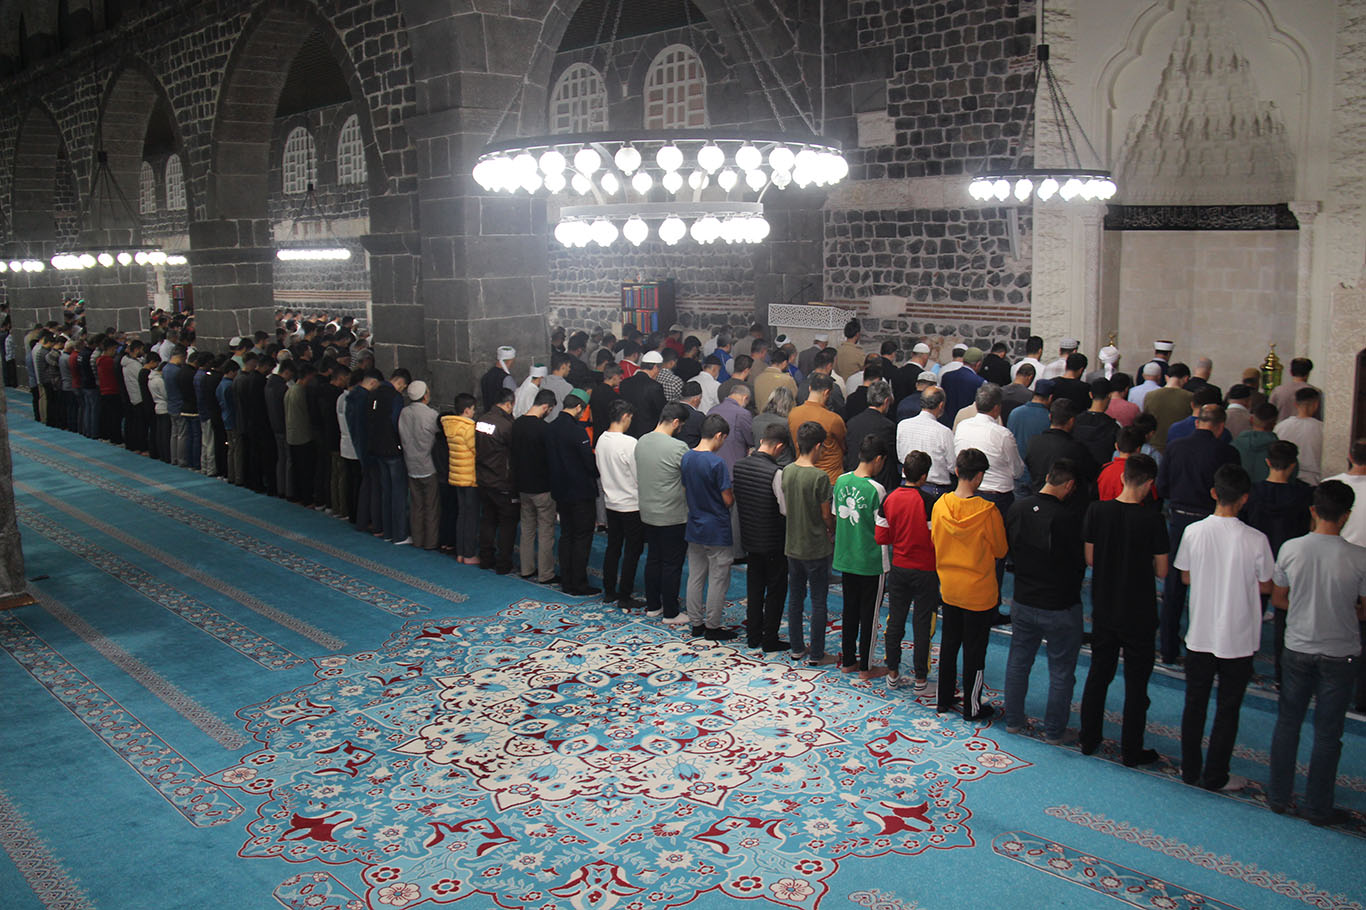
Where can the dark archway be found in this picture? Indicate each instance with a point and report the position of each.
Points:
(36, 155)
(133, 97)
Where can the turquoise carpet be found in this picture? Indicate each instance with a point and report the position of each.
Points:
(223, 700)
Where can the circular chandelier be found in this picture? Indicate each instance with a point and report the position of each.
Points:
(21, 265)
(1073, 182)
(704, 184)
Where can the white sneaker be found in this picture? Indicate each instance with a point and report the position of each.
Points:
(1235, 782)
(680, 620)
(405, 542)
(654, 613)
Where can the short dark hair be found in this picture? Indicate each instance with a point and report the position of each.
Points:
(669, 355)
(740, 363)
(871, 447)
(1178, 371)
(403, 374)
(917, 465)
(1357, 452)
(825, 356)
(776, 432)
(673, 411)
(999, 347)
(970, 463)
(1076, 361)
(712, 360)
(714, 424)
(1205, 395)
(1266, 414)
(873, 371)
(1282, 454)
(1301, 367)
(604, 356)
(558, 360)
(819, 382)
(1121, 382)
(1061, 471)
(505, 396)
(1309, 393)
(778, 356)
(852, 328)
(1061, 411)
(577, 341)
(1100, 389)
(1026, 369)
(888, 347)
(1130, 439)
(544, 396)
(463, 402)
(620, 408)
(610, 370)
(1139, 468)
(1239, 392)
(1034, 345)
(1231, 483)
(810, 435)
(1333, 499)
(757, 345)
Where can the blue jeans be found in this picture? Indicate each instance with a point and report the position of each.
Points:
(393, 485)
(90, 412)
(1174, 589)
(193, 442)
(800, 572)
(1330, 681)
(1062, 630)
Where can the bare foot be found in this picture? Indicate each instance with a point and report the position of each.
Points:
(825, 661)
(874, 673)
(848, 668)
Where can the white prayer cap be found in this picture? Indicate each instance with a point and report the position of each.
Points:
(1109, 354)
(920, 348)
(1163, 345)
(651, 357)
(1152, 369)
(960, 348)
(538, 371)
(417, 390)
(1069, 344)
(820, 336)
(235, 341)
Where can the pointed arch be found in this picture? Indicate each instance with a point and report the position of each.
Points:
(36, 154)
(133, 94)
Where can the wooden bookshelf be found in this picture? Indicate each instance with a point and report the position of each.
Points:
(650, 306)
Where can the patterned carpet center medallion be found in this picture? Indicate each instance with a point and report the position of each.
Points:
(550, 758)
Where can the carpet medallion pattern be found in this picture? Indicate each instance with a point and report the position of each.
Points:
(556, 757)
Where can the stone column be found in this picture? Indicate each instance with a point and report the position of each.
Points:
(1306, 213)
(1065, 297)
(396, 312)
(232, 269)
(12, 581)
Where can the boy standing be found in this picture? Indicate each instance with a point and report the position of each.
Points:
(1320, 583)
(810, 533)
(969, 536)
(1126, 546)
(911, 581)
(859, 558)
(1228, 566)
(763, 528)
(616, 454)
(707, 486)
(1279, 508)
(663, 512)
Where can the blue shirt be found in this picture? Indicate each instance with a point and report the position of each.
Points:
(960, 390)
(226, 404)
(170, 373)
(705, 478)
(1183, 428)
(1026, 422)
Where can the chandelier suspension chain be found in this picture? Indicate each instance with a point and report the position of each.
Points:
(763, 84)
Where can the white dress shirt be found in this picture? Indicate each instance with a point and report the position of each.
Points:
(1053, 369)
(925, 433)
(710, 388)
(986, 434)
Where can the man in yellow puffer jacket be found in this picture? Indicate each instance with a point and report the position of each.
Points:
(969, 536)
(458, 429)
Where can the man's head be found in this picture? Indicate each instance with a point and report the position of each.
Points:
(418, 392)
(1356, 454)
(916, 467)
(1333, 502)
(1203, 367)
(872, 372)
(820, 385)
(757, 330)
(972, 359)
(671, 418)
(1024, 375)
(880, 396)
(574, 403)
(1061, 479)
(1239, 394)
(872, 453)
(971, 466)
(740, 366)
(651, 362)
(1264, 416)
(810, 435)
(1178, 374)
(541, 405)
(958, 351)
(825, 362)
(1301, 367)
(1231, 486)
(739, 393)
(920, 353)
(1120, 383)
(1152, 372)
(503, 401)
(821, 340)
(712, 365)
(1282, 456)
(621, 414)
(1307, 402)
(1034, 346)
(758, 349)
(715, 429)
(1210, 417)
(853, 330)
(692, 393)
(611, 375)
(988, 399)
(1203, 396)
(1076, 365)
(779, 358)
(1129, 440)
(889, 350)
(1100, 390)
(560, 363)
(1140, 471)
(932, 401)
(400, 378)
(774, 438)
(1067, 346)
(577, 343)
(1062, 415)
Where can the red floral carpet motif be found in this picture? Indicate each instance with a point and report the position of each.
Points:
(554, 760)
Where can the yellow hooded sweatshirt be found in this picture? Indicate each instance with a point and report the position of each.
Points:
(969, 536)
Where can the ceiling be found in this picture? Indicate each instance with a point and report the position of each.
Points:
(315, 80)
(593, 21)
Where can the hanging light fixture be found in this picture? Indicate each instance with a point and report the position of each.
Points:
(700, 183)
(1072, 182)
(324, 252)
(105, 202)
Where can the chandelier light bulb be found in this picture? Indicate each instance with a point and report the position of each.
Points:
(672, 230)
(564, 233)
(1070, 189)
(4, 266)
(531, 181)
(635, 230)
(642, 183)
(756, 180)
(555, 183)
(802, 177)
(552, 162)
(87, 261)
(627, 159)
(1089, 188)
(673, 182)
(727, 179)
(610, 183)
(840, 168)
(15, 265)
(582, 185)
(603, 232)
(669, 158)
(979, 188)
(181, 260)
(156, 257)
(1107, 189)
(1023, 187)
(140, 258)
(587, 161)
(105, 259)
(1047, 189)
(780, 158)
(485, 173)
(1001, 189)
(781, 179)
(125, 258)
(758, 228)
(748, 158)
(710, 157)
(698, 180)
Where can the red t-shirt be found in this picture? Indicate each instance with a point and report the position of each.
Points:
(1111, 481)
(908, 530)
(107, 371)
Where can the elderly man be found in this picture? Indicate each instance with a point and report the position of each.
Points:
(498, 377)
(903, 379)
(960, 387)
(924, 433)
(645, 394)
(806, 360)
(1152, 381)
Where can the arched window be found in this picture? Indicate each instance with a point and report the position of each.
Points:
(579, 102)
(300, 163)
(175, 184)
(147, 189)
(351, 153)
(676, 90)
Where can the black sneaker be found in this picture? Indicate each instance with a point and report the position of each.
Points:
(986, 713)
(699, 631)
(1146, 757)
(630, 603)
(721, 634)
(771, 647)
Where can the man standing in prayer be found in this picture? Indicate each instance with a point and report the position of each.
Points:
(574, 486)
(858, 557)
(1152, 381)
(645, 394)
(556, 381)
(498, 377)
(707, 487)
(849, 358)
(1055, 368)
(830, 457)
(912, 583)
(664, 513)
(498, 506)
(1283, 396)
(1228, 566)
(1033, 351)
(774, 377)
(1305, 430)
(763, 528)
(1170, 403)
(809, 544)
(924, 433)
(526, 392)
(904, 379)
(616, 459)
(806, 361)
(418, 425)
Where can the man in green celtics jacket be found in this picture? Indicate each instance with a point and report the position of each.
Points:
(858, 557)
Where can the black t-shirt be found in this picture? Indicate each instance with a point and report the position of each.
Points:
(1049, 560)
(530, 461)
(1280, 511)
(1126, 537)
(1074, 389)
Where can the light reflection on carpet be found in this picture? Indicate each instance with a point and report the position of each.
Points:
(552, 757)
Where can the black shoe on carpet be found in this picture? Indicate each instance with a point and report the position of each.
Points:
(722, 634)
(1334, 817)
(1146, 757)
(630, 603)
(583, 592)
(699, 631)
(773, 646)
(987, 713)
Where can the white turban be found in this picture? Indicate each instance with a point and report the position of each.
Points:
(538, 371)
(1109, 356)
(506, 353)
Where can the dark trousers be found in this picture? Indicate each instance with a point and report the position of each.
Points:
(368, 498)
(1210, 769)
(194, 440)
(393, 496)
(69, 410)
(350, 483)
(450, 507)
(467, 522)
(1330, 682)
(1106, 645)
(862, 597)
(265, 478)
(498, 526)
(907, 590)
(968, 630)
(576, 540)
(625, 543)
(664, 567)
(304, 460)
(1003, 502)
(134, 430)
(111, 418)
(1174, 589)
(322, 477)
(766, 598)
(163, 431)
